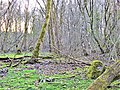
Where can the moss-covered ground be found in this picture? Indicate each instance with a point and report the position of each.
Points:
(24, 54)
(30, 80)
(44, 76)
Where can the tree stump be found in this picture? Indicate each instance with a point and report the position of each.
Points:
(106, 78)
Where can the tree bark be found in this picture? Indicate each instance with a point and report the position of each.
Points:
(43, 31)
(106, 78)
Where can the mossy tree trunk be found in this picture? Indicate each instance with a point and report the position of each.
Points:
(106, 78)
(43, 31)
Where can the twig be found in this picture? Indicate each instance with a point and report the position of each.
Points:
(70, 57)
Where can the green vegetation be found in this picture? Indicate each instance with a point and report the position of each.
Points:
(18, 80)
(14, 55)
(95, 69)
(23, 79)
(27, 77)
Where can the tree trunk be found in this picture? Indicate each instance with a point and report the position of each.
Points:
(106, 78)
(43, 31)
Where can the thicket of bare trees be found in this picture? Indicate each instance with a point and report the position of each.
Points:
(76, 27)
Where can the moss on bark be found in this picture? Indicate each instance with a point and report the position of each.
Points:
(43, 31)
(95, 69)
(106, 78)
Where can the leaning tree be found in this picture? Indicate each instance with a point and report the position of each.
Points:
(43, 31)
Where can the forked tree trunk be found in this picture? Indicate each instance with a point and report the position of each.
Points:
(106, 78)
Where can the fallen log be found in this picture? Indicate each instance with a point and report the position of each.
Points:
(104, 80)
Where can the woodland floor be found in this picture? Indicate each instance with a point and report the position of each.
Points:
(49, 74)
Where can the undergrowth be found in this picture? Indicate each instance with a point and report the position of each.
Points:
(23, 79)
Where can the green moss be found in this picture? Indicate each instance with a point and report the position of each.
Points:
(43, 31)
(95, 69)
(21, 78)
(11, 55)
(101, 85)
(106, 78)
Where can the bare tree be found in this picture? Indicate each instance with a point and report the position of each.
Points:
(43, 31)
